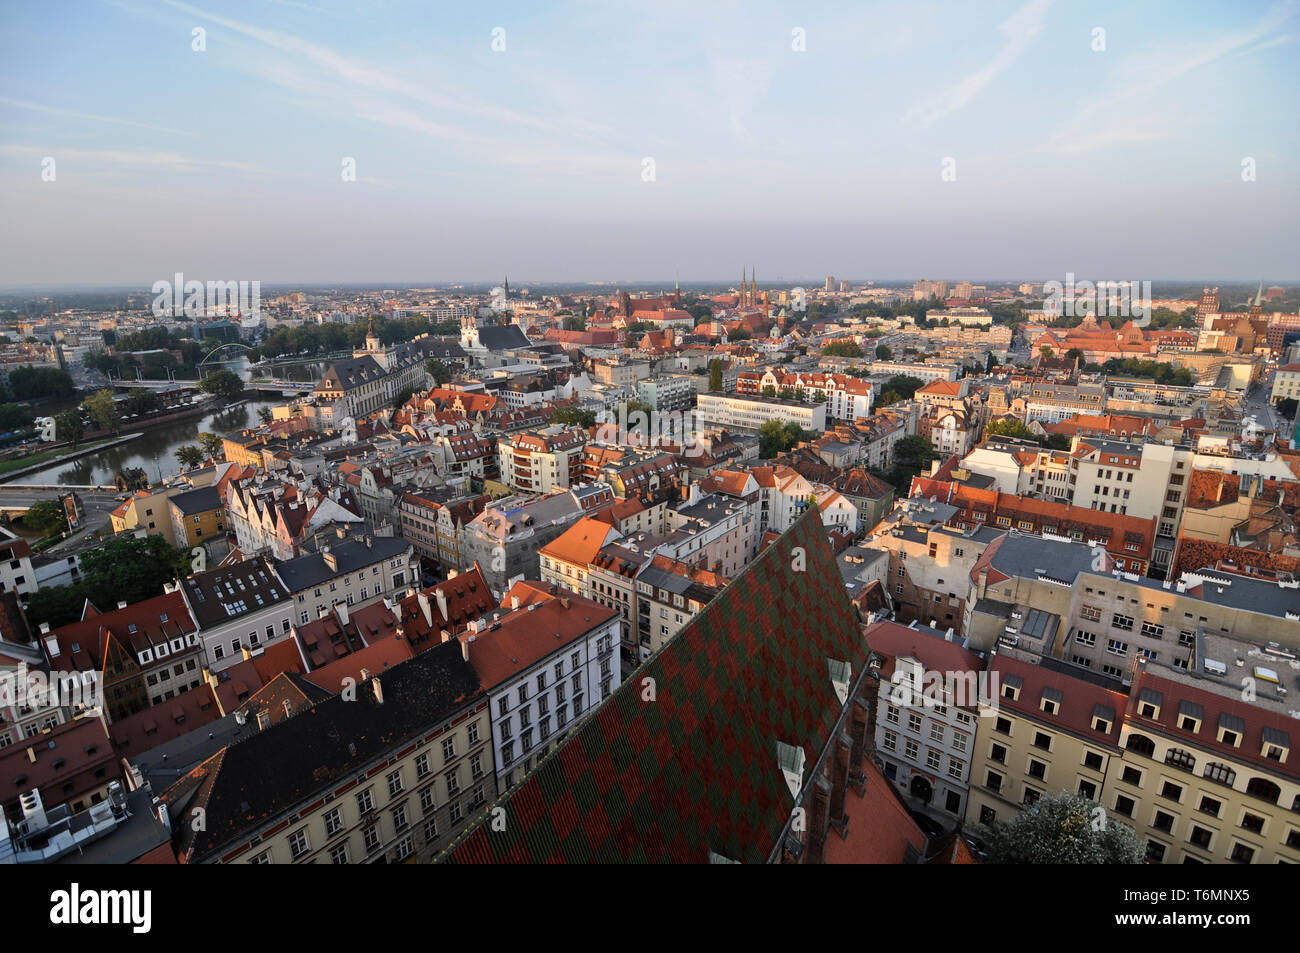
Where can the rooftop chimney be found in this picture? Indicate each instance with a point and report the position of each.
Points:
(341, 610)
(379, 691)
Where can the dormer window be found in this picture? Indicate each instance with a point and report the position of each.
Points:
(1051, 700)
(1011, 685)
(1102, 719)
(1190, 716)
(1276, 745)
(1149, 702)
(1231, 728)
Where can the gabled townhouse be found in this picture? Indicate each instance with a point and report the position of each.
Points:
(546, 659)
(145, 653)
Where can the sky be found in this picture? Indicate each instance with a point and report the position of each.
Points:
(632, 141)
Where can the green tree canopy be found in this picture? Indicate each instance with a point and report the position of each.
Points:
(575, 417)
(1010, 428)
(189, 455)
(842, 349)
(68, 426)
(224, 384)
(1064, 829)
(212, 445)
(715, 376)
(438, 371)
(45, 516)
(102, 409)
(883, 353)
(122, 569)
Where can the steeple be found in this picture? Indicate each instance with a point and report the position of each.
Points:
(506, 286)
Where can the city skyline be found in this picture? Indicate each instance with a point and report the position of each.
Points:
(814, 138)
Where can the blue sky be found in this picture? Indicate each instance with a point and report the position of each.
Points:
(226, 163)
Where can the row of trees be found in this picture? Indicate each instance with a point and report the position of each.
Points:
(332, 337)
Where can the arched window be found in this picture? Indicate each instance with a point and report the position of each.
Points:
(1221, 773)
(1178, 758)
(1264, 789)
(1141, 744)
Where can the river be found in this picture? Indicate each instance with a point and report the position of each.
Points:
(155, 450)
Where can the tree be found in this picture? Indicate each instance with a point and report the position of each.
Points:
(15, 417)
(842, 349)
(68, 426)
(574, 417)
(575, 322)
(31, 383)
(45, 516)
(889, 397)
(1287, 407)
(740, 334)
(819, 397)
(265, 415)
(883, 353)
(1010, 428)
(140, 402)
(1074, 354)
(787, 393)
(903, 386)
(914, 452)
(776, 437)
(1046, 351)
(102, 409)
(715, 376)
(212, 445)
(189, 455)
(769, 390)
(1064, 828)
(224, 384)
(437, 370)
(124, 569)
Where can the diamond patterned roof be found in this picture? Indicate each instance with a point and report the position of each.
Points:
(695, 770)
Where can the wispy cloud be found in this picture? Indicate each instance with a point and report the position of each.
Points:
(74, 114)
(169, 161)
(1020, 30)
(1125, 113)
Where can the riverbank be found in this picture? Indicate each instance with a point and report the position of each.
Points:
(57, 456)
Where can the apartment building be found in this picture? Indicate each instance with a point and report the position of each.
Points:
(355, 571)
(197, 516)
(237, 606)
(1044, 732)
(145, 653)
(1039, 598)
(930, 563)
(925, 724)
(390, 775)
(545, 659)
(1203, 775)
(736, 412)
(506, 538)
(148, 509)
(16, 572)
(669, 594)
(543, 460)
